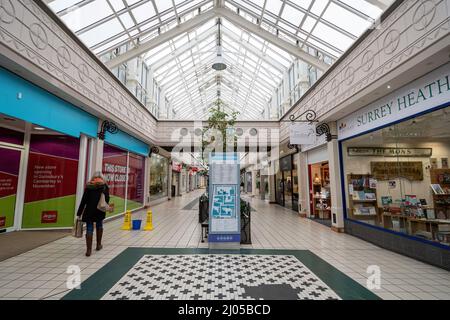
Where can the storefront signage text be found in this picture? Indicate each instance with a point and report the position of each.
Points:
(389, 170)
(389, 152)
(428, 92)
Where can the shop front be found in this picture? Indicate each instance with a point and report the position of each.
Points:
(176, 178)
(44, 156)
(286, 183)
(159, 173)
(319, 185)
(395, 171)
(124, 169)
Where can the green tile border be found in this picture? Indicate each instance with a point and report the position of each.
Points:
(96, 286)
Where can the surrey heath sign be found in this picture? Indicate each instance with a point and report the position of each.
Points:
(430, 91)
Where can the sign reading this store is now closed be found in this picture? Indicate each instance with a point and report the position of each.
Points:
(428, 92)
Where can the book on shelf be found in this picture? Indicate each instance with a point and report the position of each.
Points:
(437, 189)
(359, 195)
(386, 200)
(365, 211)
(410, 200)
(370, 196)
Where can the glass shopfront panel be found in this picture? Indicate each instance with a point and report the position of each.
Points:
(51, 181)
(135, 186)
(159, 171)
(115, 172)
(286, 179)
(9, 174)
(398, 177)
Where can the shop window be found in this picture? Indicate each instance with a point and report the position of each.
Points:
(11, 136)
(9, 173)
(398, 177)
(115, 172)
(159, 169)
(135, 193)
(51, 181)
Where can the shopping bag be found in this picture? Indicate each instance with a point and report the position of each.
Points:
(102, 205)
(78, 229)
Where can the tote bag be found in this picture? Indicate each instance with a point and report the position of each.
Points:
(78, 229)
(102, 205)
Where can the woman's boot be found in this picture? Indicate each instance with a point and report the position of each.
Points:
(88, 244)
(99, 239)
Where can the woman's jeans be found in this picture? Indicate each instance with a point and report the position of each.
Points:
(90, 226)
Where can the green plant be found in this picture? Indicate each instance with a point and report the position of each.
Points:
(220, 121)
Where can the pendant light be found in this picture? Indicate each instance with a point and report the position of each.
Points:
(219, 63)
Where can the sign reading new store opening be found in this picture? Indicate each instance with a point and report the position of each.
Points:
(430, 91)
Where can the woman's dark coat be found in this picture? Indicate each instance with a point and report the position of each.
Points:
(89, 202)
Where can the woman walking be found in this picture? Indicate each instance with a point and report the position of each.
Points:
(90, 213)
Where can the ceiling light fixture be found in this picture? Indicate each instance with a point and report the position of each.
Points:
(219, 63)
(388, 86)
(39, 129)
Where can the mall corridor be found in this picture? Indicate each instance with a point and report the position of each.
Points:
(225, 150)
(41, 273)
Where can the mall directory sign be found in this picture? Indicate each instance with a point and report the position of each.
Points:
(224, 199)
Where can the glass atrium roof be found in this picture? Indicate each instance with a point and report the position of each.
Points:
(260, 39)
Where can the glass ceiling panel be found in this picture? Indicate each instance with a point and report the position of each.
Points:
(255, 68)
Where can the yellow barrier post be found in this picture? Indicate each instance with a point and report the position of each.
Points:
(149, 224)
(127, 221)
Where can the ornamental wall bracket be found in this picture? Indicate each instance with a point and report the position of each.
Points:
(153, 150)
(294, 146)
(324, 129)
(107, 126)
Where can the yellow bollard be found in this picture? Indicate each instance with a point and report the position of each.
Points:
(127, 221)
(149, 224)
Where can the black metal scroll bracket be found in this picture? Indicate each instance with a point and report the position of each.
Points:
(324, 129)
(153, 150)
(310, 116)
(107, 126)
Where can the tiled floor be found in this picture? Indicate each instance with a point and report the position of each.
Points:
(219, 276)
(41, 273)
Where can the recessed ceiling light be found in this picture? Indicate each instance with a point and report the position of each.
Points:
(388, 86)
(39, 128)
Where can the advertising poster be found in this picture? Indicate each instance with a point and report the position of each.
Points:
(115, 172)
(9, 172)
(51, 182)
(135, 195)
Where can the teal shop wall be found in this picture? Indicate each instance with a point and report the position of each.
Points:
(43, 108)
(127, 142)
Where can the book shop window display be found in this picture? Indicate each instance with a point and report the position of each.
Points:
(398, 177)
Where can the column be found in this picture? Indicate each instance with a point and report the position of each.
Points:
(147, 182)
(303, 185)
(169, 182)
(97, 155)
(271, 178)
(337, 212)
(296, 164)
(254, 173)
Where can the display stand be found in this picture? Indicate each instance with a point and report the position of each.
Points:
(440, 185)
(363, 198)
